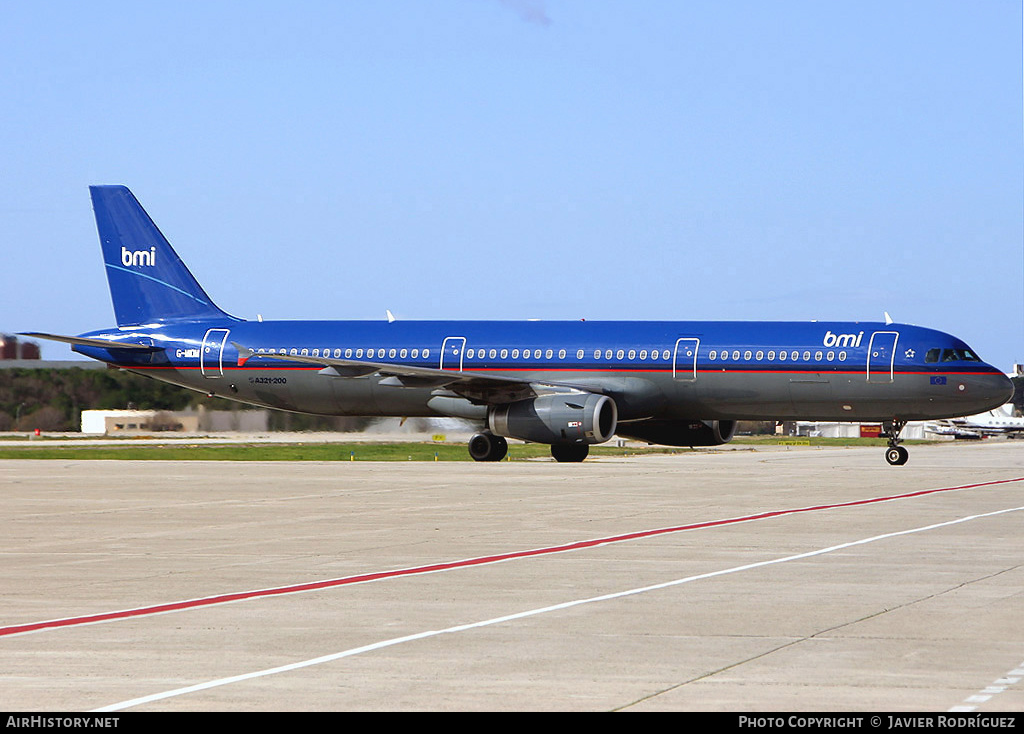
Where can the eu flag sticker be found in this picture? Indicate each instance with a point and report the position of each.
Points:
(938, 380)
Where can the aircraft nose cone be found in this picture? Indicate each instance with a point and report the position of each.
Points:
(993, 390)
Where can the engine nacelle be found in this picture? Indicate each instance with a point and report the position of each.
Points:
(680, 433)
(573, 418)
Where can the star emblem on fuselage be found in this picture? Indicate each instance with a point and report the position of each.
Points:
(909, 354)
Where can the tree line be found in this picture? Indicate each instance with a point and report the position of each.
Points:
(53, 400)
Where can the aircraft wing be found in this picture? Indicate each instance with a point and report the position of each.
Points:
(476, 386)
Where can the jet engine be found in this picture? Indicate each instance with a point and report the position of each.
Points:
(680, 433)
(557, 419)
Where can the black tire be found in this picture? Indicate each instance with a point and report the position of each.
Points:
(897, 455)
(487, 447)
(569, 452)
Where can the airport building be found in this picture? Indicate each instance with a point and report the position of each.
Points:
(12, 348)
(114, 422)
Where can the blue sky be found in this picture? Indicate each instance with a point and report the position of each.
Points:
(554, 159)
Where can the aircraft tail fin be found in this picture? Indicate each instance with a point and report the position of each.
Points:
(148, 281)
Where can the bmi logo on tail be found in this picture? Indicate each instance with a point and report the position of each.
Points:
(134, 258)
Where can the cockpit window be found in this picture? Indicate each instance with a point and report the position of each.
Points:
(951, 355)
(958, 355)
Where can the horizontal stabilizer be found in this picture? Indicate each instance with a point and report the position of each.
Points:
(86, 342)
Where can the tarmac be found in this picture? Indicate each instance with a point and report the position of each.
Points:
(787, 579)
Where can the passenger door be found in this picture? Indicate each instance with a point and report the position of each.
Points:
(684, 358)
(452, 350)
(881, 353)
(211, 356)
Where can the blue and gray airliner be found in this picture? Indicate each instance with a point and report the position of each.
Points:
(568, 384)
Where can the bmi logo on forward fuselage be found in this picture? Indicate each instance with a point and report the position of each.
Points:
(842, 340)
(136, 258)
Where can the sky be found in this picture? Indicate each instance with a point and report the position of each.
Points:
(513, 159)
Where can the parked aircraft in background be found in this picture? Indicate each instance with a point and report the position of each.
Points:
(996, 422)
(568, 384)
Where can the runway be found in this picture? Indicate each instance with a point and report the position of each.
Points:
(788, 579)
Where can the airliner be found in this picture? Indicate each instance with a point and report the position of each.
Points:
(569, 384)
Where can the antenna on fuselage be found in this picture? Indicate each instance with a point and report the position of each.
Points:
(888, 318)
(391, 316)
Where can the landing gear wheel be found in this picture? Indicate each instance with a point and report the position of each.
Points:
(569, 452)
(488, 447)
(897, 455)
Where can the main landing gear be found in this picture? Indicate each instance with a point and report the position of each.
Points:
(488, 447)
(569, 451)
(896, 455)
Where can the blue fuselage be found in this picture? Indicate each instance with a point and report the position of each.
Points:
(653, 370)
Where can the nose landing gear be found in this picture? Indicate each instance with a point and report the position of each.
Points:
(896, 455)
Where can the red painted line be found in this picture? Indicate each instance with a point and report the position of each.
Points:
(466, 563)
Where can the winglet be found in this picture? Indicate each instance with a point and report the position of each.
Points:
(244, 353)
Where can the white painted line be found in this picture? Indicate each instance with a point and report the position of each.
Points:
(998, 686)
(529, 613)
(233, 597)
